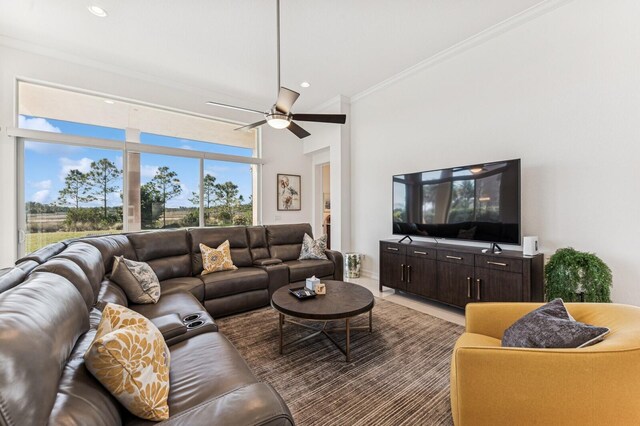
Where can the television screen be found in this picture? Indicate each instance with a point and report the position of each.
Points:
(479, 203)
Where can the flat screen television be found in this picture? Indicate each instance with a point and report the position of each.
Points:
(480, 202)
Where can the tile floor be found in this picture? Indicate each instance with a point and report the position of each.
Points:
(432, 308)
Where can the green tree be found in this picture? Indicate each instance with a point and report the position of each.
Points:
(75, 189)
(166, 185)
(227, 194)
(148, 197)
(101, 179)
(209, 187)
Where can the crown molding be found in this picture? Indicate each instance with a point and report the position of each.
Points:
(483, 36)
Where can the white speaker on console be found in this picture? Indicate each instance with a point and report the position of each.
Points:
(530, 246)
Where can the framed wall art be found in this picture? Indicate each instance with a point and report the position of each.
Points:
(289, 189)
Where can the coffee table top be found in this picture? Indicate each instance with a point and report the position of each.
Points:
(343, 300)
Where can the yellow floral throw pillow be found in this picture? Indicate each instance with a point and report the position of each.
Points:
(218, 259)
(131, 359)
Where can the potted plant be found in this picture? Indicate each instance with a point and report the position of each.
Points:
(577, 276)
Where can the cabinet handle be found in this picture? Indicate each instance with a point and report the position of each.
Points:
(478, 295)
(402, 272)
(468, 287)
(409, 274)
(454, 257)
(496, 263)
(420, 252)
(392, 248)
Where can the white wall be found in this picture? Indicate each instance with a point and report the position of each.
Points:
(281, 151)
(561, 92)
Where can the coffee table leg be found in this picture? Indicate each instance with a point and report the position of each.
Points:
(280, 323)
(348, 351)
(370, 321)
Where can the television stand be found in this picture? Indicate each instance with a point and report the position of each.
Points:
(494, 248)
(404, 238)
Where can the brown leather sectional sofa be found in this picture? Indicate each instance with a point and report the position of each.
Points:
(49, 311)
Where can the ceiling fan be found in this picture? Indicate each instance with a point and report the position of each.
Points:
(279, 116)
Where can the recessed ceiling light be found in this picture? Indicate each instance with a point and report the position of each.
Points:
(109, 101)
(305, 84)
(98, 11)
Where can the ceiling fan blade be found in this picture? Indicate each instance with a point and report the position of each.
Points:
(286, 99)
(252, 126)
(298, 131)
(322, 118)
(234, 107)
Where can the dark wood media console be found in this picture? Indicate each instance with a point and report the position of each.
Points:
(457, 275)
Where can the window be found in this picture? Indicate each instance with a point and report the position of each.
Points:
(181, 170)
(70, 192)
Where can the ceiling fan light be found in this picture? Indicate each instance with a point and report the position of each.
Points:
(278, 121)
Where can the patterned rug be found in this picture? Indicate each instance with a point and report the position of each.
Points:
(399, 374)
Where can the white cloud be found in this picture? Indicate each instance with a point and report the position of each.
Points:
(37, 123)
(186, 147)
(67, 164)
(42, 184)
(148, 172)
(41, 196)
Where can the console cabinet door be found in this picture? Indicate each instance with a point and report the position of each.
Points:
(393, 270)
(455, 283)
(497, 286)
(422, 277)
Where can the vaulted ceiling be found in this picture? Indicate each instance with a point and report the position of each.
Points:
(228, 47)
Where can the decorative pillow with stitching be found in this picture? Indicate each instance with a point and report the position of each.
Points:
(551, 326)
(217, 259)
(137, 279)
(313, 249)
(131, 359)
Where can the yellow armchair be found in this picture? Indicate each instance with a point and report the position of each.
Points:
(596, 385)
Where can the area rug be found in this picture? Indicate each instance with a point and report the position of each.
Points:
(399, 374)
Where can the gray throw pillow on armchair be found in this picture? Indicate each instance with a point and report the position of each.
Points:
(137, 279)
(313, 249)
(551, 326)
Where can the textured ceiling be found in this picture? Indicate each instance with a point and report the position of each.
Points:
(228, 46)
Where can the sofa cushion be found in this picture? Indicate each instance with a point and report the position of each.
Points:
(89, 259)
(257, 236)
(236, 303)
(213, 237)
(11, 277)
(40, 322)
(72, 272)
(216, 259)
(299, 270)
(137, 279)
(131, 359)
(111, 292)
(285, 241)
(233, 282)
(194, 285)
(45, 253)
(167, 252)
(111, 246)
(81, 399)
(181, 303)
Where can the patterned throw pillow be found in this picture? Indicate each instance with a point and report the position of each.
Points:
(131, 359)
(551, 326)
(313, 249)
(216, 259)
(137, 279)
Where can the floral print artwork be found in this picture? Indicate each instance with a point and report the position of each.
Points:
(288, 192)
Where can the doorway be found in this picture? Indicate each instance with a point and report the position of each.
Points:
(326, 202)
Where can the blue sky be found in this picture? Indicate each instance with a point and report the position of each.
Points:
(46, 165)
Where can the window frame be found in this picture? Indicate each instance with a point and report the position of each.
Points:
(130, 145)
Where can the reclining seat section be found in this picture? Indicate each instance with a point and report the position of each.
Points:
(228, 292)
(285, 243)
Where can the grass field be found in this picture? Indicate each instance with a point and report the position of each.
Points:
(37, 240)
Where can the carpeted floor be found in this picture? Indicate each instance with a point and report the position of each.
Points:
(399, 374)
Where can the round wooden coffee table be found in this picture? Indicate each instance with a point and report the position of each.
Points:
(343, 301)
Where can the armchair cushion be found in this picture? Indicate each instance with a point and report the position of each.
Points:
(551, 326)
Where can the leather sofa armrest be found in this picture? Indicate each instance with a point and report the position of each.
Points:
(170, 325)
(267, 262)
(278, 276)
(338, 261)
